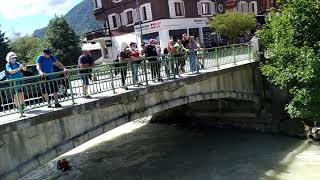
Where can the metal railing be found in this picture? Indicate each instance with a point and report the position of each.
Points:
(21, 95)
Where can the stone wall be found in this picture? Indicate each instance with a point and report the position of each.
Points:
(29, 143)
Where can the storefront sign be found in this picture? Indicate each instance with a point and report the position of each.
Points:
(172, 24)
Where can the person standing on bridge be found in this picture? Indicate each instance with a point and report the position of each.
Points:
(124, 60)
(44, 65)
(85, 62)
(151, 52)
(13, 69)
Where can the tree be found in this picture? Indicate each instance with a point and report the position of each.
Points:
(4, 49)
(233, 24)
(26, 47)
(62, 40)
(292, 41)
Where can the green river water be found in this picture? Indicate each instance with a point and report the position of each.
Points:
(144, 151)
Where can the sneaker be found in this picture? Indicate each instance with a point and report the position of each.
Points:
(125, 88)
(49, 106)
(57, 105)
(160, 80)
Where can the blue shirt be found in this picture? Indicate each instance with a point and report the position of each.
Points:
(46, 64)
(14, 66)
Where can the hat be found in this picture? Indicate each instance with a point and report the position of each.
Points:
(10, 55)
(46, 51)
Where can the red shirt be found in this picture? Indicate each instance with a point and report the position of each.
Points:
(135, 53)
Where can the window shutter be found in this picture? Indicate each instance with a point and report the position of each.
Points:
(124, 18)
(199, 8)
(118, 20)
(135, 16)
(213, 8)
(149, 12)
(183, 9)
(172, 9)
(110, 22)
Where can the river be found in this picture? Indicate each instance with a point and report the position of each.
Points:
(143, 151)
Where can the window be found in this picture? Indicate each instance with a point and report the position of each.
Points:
(97, 4)
(206, 8)
(129, 17)
(243, 7)
(176, 8)
(253, 7)
(146, 12)
(114, 21)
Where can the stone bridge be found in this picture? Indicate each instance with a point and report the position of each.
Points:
(28, 143)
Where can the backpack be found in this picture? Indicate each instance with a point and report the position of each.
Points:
(150, 51)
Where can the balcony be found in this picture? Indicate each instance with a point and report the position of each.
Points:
(94, 35)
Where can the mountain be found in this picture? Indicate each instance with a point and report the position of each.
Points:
(80, 18)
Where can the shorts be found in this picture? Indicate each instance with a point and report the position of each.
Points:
(18, 86)
(49, 87)
(85, 79)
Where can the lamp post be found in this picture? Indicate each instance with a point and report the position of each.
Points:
(139, 19)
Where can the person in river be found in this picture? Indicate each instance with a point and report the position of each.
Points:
(13, 69)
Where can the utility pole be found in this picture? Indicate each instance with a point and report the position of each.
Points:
(139, 18)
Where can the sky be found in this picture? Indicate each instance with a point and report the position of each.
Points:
(25, 16)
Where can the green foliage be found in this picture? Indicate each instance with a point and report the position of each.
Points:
(4, 49)
(26, 47)
(292, 40)
(62, 40)
(233, 24)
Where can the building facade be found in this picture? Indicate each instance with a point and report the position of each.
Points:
(164, 19)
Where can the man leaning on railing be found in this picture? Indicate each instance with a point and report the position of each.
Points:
(85, 61)
(45, 63)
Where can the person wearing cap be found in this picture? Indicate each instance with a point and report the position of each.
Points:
(13, 69)
(44, 65)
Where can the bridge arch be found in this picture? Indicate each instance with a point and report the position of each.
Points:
(44, 137)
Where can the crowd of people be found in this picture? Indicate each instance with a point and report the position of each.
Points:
(181, 49)
(44, 65)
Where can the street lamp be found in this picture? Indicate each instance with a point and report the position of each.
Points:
(139, 18)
